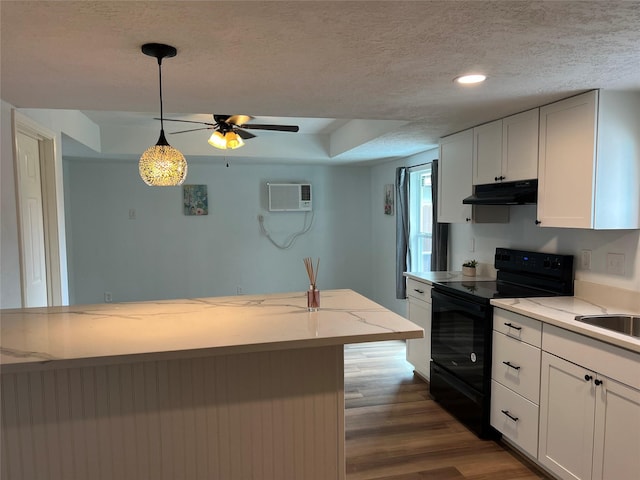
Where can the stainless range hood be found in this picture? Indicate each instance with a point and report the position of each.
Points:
(505, 193)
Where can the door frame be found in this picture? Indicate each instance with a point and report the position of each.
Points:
(47, 147)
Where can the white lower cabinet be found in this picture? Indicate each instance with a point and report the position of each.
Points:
(515, 417)
(516, 365)
(515, 379)
(566, 418)
(419, 312)
(616, 445)
(570, 402)
(589, 423)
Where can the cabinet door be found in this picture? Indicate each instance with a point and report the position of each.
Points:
(419, 349)
(616, 450)
(520, 146)
(487, 153)
(567, 408)
(454, 177)
(566, 162)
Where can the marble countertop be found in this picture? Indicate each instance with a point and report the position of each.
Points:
(561, 311)
(432, 277)
(53, 337)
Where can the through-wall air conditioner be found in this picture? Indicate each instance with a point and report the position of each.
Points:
(289, 197)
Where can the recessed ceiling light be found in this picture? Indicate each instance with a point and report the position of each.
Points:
(468, 79)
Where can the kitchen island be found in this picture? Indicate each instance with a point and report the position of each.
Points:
(247, 387)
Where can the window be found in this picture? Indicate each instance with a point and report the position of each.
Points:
(420, 218)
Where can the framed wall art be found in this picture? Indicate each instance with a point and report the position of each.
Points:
(389, 196)
(195, 201)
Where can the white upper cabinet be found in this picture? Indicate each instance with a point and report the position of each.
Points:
(520, 146)
(454, 184)
(487, 153)
(454, 177)
(589, 161)
(506, 150)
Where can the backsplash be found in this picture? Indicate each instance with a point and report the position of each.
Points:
(611, 297)
(521, 233)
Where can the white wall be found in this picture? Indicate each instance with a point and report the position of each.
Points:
(383, 232)
(165, 254)
(9, 253)
(521, 233)
(214, 255)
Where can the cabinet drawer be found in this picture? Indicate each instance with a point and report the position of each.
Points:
(419, 290)
(516, 365)
(521, 425)
(518, 326)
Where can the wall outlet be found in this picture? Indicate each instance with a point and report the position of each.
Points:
(132, 214)
(239, 290)
(107, 297)
(472, 244)
(585, 260)
(615, 263)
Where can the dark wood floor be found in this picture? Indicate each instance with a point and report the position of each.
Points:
(395, 431)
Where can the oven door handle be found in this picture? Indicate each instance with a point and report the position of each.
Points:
(440, 300)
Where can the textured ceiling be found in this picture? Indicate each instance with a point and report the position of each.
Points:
(390, 60)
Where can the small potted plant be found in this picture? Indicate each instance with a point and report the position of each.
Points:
(469, 268)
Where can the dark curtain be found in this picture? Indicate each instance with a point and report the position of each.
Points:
(440, 239)
(402, 230)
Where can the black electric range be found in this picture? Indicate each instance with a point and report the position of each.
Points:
(462, 323)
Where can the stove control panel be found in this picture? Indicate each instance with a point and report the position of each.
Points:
(538, 263)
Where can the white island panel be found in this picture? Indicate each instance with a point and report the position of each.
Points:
(261, 415)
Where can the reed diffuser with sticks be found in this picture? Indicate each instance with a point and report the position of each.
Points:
(313, 294)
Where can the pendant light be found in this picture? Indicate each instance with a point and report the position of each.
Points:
(161, 165)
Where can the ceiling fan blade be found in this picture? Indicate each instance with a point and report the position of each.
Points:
(238, 119)
(193, 130)
(277, 128)
(186, 121)
(244, 134)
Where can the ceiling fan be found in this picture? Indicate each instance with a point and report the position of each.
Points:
(230, 130)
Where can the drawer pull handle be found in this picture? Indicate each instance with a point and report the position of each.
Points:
(509, 364)
(588, 378)
(597, 382)
(418, 290)
(506, 412)
(511, 325)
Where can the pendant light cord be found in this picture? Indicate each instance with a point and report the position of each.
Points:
(160, 82)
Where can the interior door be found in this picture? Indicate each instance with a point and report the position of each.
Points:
(32, 233)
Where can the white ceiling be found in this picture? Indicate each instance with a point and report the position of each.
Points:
(328, 62)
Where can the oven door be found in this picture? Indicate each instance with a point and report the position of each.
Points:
(461, 338)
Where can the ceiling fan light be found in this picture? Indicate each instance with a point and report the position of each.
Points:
(233, 140)
(217, 140)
